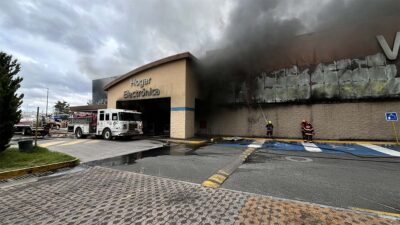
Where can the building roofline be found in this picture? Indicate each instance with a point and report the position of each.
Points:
(184, 55)
(87, 108)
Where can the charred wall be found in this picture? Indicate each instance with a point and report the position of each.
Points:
(372, 77)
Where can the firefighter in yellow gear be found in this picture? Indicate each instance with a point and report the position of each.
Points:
(270, 129)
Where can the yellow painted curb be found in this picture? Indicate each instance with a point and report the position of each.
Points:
(73, 142)
(381, 213)
(200, 142)
(210, 184)
(47, 144)
(37, 169)
(217, 178)
(223, 173)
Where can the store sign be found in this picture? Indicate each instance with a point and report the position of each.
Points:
(391, 54)
(140, 83)
(141, 93)
(144, 92)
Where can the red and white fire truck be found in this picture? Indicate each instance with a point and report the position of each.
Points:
(107, 123)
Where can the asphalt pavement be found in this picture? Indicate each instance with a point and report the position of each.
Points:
(340, 180)
(321, 178)
(196, 166)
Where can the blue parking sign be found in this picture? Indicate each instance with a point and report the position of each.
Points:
(391, 116)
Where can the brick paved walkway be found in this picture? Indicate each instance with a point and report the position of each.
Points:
(105, 196)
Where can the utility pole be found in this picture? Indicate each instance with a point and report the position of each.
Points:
(47, 102)
(37, 125)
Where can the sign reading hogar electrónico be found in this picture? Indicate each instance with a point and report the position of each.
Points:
(144, 92)
(141, 93)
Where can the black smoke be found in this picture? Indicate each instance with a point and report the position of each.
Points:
(263, 36)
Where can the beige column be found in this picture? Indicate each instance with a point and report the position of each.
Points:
(182, 122)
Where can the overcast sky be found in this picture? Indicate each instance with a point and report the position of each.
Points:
(62, 45)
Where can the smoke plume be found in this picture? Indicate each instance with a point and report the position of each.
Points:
(266, 35)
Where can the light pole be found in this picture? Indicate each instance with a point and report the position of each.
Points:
(47, 102)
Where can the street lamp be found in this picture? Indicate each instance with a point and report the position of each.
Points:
(47, 102)
(27, 109)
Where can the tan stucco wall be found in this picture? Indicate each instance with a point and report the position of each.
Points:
(170, 78)
(331, 121)
(174, 80)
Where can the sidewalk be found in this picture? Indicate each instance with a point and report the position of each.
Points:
(88, 150)
(107, 196)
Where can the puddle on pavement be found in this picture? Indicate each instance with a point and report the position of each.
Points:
(262, 158)
(172, 149)
(241, 142)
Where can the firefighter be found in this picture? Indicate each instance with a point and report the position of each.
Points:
(270, 129)
(302, 126)
(308, 132)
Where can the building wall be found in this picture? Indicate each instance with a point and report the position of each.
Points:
(331, 121)
(171, 81)
(348, 79)
(169, 78)
(192, 92)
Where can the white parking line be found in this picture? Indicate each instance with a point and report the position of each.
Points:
(311, 147)
(256, 144)
(382, 149)
(92, 141)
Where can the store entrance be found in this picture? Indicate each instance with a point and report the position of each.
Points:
(156, 114)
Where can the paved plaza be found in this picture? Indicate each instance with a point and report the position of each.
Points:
(100, 195)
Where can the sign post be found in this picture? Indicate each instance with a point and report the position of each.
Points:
(392, 117)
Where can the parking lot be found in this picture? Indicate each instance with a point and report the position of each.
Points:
(334, 179)
(346, 176)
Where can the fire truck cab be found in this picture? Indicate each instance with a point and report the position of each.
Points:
(107, 123)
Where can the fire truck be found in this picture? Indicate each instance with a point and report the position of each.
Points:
(107, 123)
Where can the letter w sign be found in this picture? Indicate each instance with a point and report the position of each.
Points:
(391, 54)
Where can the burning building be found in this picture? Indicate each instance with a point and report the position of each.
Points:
(342, 76)
(341, 79)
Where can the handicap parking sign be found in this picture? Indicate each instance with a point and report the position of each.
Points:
(391, 116)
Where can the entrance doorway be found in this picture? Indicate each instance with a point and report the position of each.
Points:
(156, 114)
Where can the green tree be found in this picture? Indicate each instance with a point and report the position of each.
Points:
(10, 101)
(61, 107)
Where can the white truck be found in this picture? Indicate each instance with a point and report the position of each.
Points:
(107, 123)
(27, 126)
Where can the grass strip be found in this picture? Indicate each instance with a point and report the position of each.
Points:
(12, 158)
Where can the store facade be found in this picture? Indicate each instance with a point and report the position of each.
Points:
(164, 91)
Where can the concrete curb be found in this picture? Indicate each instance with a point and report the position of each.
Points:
(216, 180)
(38, 169)
(394, 216)
(190, 142)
